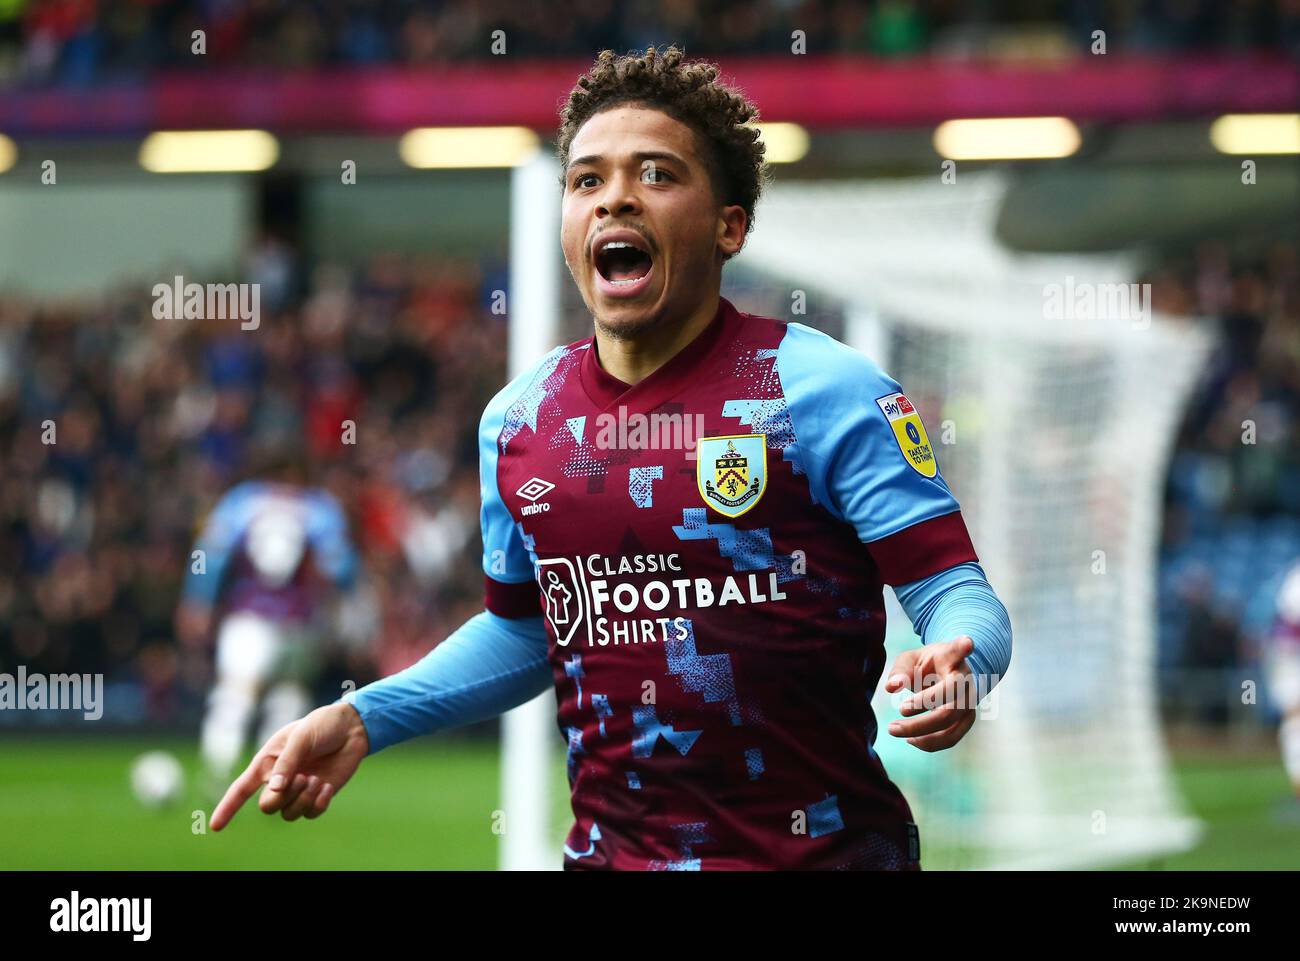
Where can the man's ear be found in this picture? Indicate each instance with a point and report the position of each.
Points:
(732, 221)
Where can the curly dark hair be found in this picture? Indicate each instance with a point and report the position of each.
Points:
(690, 93)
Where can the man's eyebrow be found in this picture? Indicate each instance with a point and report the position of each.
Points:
(640, 156)
(582, 161)
(645, 155)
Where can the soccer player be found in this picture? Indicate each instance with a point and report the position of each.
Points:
(710, 615)
(275, 553)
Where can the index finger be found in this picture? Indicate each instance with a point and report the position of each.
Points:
(243, 788)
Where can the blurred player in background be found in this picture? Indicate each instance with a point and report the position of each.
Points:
(275, 554)
(1282, 670)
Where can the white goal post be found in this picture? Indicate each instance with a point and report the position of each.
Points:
(528, 733)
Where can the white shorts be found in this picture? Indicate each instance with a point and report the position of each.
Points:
(252, 649)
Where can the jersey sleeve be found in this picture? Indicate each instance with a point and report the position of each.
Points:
(219, 539)
(327, 531)
(484, 668)
(508, 565)
(868, 457)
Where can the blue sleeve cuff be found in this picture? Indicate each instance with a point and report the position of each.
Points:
(960, 601)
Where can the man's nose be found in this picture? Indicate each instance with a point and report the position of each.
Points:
(619, 198)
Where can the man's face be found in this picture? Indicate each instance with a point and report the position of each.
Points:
(642, 231)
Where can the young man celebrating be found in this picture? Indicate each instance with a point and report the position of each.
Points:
(711, 615)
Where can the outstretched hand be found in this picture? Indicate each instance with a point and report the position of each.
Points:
(303, 766)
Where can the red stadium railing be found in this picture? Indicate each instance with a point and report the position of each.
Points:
(819, 92)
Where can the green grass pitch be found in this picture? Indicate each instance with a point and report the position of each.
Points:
(65, 804)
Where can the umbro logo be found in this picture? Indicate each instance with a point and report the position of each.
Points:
(532, 489)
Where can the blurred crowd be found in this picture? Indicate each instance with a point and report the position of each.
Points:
(1232, 518)
(1253, 379)
(119, 432)
(83, 41)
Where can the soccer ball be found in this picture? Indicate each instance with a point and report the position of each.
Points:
(156, 779)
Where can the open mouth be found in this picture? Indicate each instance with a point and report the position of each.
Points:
(623, 262)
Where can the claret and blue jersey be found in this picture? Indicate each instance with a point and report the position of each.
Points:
(231, 577)
(708, 549)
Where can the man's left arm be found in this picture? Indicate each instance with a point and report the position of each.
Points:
(870, 462)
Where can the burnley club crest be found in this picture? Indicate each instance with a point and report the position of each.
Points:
(731, 472)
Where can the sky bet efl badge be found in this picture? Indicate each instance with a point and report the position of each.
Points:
(732, 472)
(909, 432)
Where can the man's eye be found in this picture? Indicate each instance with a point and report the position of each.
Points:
(654, 174)
(578, 181)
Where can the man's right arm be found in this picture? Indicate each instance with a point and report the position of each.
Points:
(497, 659)
(489, 665)
(486, 667)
